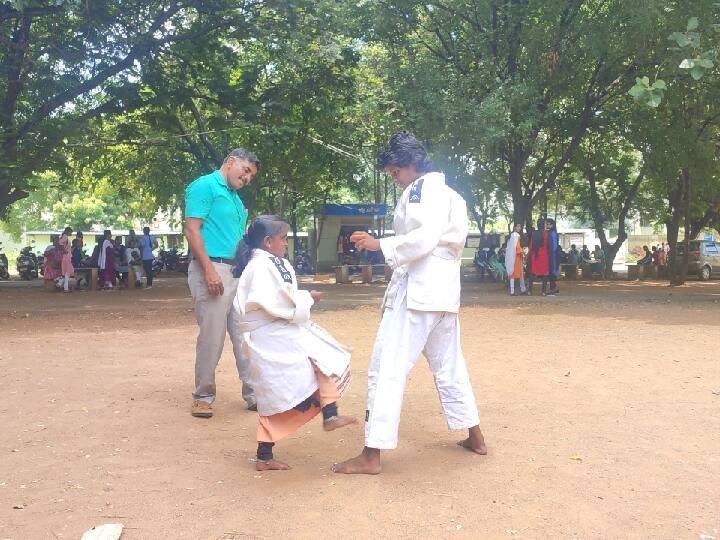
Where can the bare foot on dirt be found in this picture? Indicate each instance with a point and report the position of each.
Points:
(271, 465)
(368, 462)
(337, 422)
(475, 441)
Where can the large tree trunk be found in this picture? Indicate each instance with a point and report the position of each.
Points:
(520, 200)
(679, 198)
(611, 250)
(672, 225)
(709, 217)
(687, 196)
(673, 232)
(293, 224)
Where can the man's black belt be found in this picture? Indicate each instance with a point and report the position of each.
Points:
(222, 260)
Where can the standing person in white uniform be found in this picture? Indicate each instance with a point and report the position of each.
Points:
(296, 369)
(420, 306)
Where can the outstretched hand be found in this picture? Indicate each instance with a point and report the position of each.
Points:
(316, 295)
(363, 241)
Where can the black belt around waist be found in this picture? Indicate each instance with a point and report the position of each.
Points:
(222, 260)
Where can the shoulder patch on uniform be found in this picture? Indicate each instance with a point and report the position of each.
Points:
(284, 272)
(416, 191)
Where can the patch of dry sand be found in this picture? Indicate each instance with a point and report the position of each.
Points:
(600, 409)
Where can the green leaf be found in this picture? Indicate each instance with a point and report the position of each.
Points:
(705, 63)
(659, 85)
(637, 91)
(654, 101)
(697, 72)
(680, 38)
(645, 81)
(687, 63)
(694, 38)
(693, 23)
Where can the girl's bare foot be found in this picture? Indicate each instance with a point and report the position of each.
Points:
(368, 462)
(336, 422)
(475, 441)
(271, 465)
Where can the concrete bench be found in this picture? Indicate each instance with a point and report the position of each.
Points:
(90, 274)
(569, 270)
(588, 270)
(342, 273)
(642, 271)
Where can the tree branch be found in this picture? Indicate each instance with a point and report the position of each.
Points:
(8, 12)
(201, 126)
(13, 67)
(141, 48)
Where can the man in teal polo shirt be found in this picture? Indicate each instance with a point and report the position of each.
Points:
(215, 221)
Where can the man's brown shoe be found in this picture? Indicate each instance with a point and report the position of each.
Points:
(201, 409)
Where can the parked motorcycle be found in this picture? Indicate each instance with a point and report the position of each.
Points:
(4, 267)
(40, 262)
(27, 264)
(172, 261)
(158, 264)
(183, 263)
(302, 263)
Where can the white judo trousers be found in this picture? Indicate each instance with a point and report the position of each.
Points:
(403, 335)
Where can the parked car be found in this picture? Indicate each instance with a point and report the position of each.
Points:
(704, 259)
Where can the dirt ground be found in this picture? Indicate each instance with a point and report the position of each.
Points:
(599, 406)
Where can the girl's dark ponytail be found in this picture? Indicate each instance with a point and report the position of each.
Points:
(242, 256)
(260, 227)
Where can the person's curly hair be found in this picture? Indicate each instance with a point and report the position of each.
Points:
(404, 150)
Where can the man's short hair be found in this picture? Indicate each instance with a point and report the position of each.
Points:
(241, 153)
(404, 150)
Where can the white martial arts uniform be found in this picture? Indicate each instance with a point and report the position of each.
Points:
(280, 341)
(420, 310)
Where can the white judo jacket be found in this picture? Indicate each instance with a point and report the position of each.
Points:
(431, 225)
(280, 341)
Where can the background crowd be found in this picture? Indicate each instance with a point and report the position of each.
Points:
(536, 256)
(116, 259)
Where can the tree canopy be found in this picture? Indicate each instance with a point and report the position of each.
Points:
(608, 108)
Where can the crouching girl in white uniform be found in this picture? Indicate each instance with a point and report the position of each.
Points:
(296, 368)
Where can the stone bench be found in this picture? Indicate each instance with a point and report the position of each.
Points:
(342, 273)
(569, 270)
(642, 271)
(90, 274)
(588, 270)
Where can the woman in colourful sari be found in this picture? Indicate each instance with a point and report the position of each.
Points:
(52, 259)
(106, 261)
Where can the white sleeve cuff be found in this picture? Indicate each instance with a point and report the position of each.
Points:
(388, 252)
(303, 303)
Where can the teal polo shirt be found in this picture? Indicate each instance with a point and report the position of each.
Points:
(222, 211)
